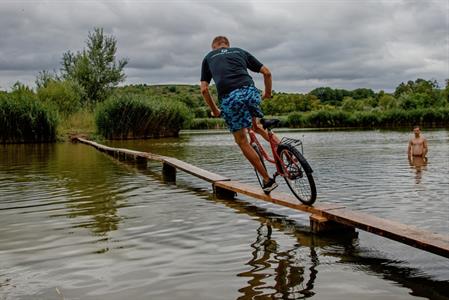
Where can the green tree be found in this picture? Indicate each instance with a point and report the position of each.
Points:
(362, 93)
(95, 68)
(387, 102)
(326, 95)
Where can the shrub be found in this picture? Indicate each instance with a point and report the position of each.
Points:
(65, 95)
(132, 116)
(295, 119)
(328, 118)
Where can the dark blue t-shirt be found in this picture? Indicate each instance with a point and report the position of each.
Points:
(229, 69)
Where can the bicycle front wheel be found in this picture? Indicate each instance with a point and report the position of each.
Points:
(297, 174)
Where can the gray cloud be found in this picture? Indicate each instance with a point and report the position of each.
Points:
(306, 44)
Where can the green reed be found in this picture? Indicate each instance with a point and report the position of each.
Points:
(24, 119)
(133, 116)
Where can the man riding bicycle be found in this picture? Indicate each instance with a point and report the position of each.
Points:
(239, 98)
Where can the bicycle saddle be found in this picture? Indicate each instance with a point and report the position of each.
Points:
(270, 123)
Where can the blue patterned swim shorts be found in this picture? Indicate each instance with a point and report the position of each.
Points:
(240, 106)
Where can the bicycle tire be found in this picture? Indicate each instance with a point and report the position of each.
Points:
(259, 178)
(299, 178)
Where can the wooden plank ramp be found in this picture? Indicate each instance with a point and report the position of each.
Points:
(321, 213)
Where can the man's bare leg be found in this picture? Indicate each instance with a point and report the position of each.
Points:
(241, 139)
(257, 127)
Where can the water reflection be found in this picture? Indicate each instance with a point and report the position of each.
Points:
(287, 268)
(24, 159)
(92, 184)
(419, 164)
(291, 273)
(50, 175)
(276, 271)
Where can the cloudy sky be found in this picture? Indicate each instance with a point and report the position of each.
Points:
(306, 43)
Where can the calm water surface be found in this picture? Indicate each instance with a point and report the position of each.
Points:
(77, 224)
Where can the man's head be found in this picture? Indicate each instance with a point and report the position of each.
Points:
(416, 130)
(220, 42)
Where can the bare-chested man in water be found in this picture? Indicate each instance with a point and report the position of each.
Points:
(417, 146)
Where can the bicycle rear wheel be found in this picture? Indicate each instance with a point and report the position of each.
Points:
(298, 174)
(259, 153)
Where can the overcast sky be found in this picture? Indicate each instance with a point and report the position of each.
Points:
(307, 44)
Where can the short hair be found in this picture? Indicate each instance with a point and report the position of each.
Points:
(416, 126)
(220, 39)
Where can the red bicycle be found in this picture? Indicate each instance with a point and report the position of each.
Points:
(289, 161)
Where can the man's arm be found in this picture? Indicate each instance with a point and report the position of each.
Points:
(208, 98)
(267, 80)
(409, 149)
(425, 148)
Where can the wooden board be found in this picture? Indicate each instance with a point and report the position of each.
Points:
(425, 240)
(407, 234)
(112, 150)
(280, 198)
(194, 170)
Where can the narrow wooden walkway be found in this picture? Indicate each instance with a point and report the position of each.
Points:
(324, 216)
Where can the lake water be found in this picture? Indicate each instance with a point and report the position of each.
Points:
(78, 224)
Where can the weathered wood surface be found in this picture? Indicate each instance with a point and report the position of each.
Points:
(275, 197)
(425, 240)
(422, 239)
(407, 234)
(194, 170)
(113, 151)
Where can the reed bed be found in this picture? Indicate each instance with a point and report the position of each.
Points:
(26, 120)
(138, 116)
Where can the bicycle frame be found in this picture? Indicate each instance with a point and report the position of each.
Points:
(276, 160)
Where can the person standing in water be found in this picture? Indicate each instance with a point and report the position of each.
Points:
(417, 146)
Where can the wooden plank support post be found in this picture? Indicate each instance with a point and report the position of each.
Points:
(141, 162)
(168, 172)
(322, 225)
(223, 193)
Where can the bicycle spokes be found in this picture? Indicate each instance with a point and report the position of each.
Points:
(292, 166)
(299, 181)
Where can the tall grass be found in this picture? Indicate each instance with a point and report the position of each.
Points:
(428, 117)
(208, 123)
(80, 122)
(23, 119)
(138, 116)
